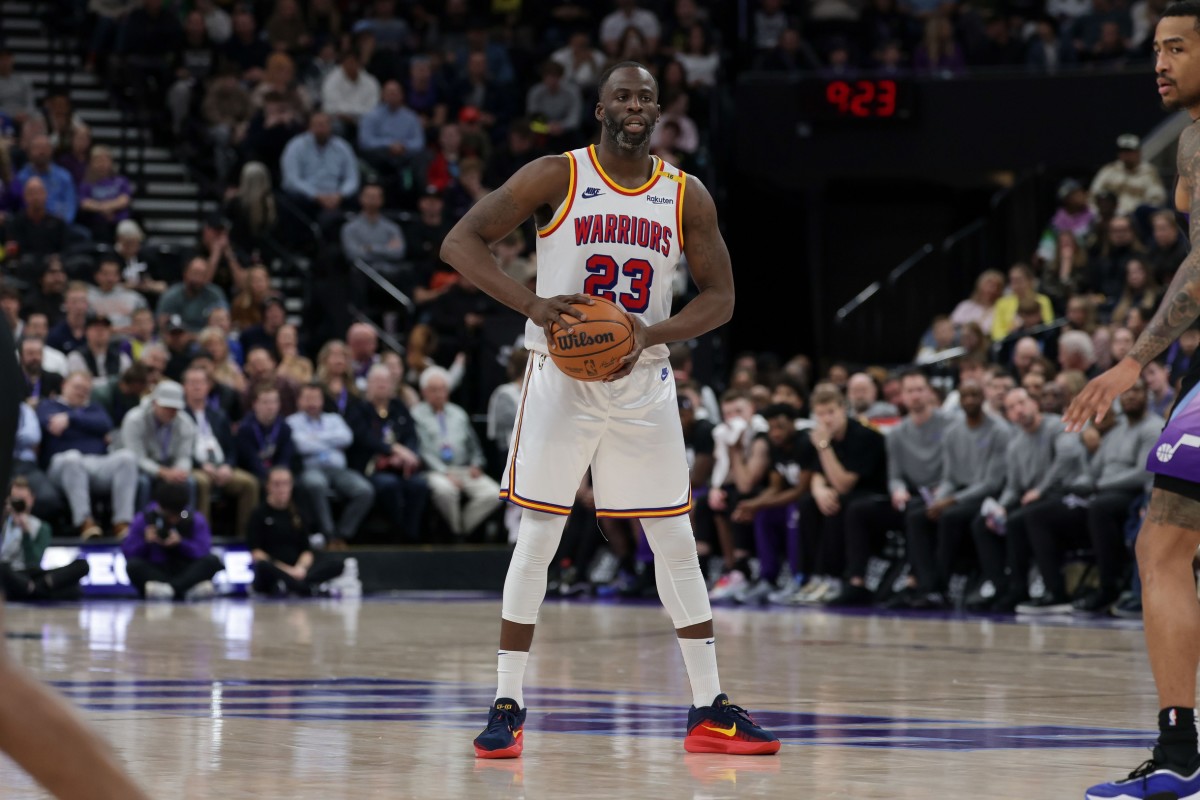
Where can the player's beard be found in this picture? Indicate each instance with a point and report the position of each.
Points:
(628, 141)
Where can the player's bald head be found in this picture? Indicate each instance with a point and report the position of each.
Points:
(624, 70)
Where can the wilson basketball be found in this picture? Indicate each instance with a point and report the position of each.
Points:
(595, 349)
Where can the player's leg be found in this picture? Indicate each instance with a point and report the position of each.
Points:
(1165, 548)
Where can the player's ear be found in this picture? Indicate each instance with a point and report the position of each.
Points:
(599, 112)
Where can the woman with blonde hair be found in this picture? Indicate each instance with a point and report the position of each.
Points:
(247, 306)
(292, 365)
(977, 308)
(213, 343)
(336, 375)
(252, 209)
(104, 195)
(280, 77)
(422, 344)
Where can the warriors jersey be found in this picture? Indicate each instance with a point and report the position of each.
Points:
(612, 242)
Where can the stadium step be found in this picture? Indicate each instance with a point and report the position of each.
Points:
(159, 207)
(177, 226)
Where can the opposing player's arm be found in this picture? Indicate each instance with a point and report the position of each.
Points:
(541, 184)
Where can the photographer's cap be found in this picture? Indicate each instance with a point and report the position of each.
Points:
(168, 394)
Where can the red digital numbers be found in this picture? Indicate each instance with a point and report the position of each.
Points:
(864, 99)
(603, 279)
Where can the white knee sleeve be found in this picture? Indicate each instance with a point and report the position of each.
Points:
(525, 586)
(677, 569)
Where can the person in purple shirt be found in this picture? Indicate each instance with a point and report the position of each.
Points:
(168, 550)
(75, 452)
(104, 196)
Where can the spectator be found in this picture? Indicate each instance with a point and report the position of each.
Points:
(286, 29)
(862, 393)
(136, 273)
(846, 460)
(1073, 214)
(23, 541)
(770, 24)
(973, 468)
(1076, 352)
(121, 394)
(675, 110)
(1141, 290)
(1108, 260)
(181, 347)
(71, 332)
(1161, 394)
(454, 457)
(320, 169)
(505, 403)
(155, 357)
(161, 439)
(264, 439)
(349, 92)
(261, 369)
(791, 55)
(336, 377)
(16, 90)
(519, 149)
(246, 51)
(252, 212)
(556, 104)
(100, 356)
(363, 345)
(61, 120)
(108, 298)
(142, 335)
(215, 454)
(75, 448)
(35, 232)
(373, 238)
(225, 271)
(626, 16)
(40, 381)
(582, 64)
(1135, 183)
(1066, 274)
(1112, 481)
(385, 450)
(104, 195)
(390, 135)
(481, 91)
(75, 159)
(444, 167)
(168, 551)
(250, 304)
(277, 537)
(197, 63)
(1046, 51)
(700, 59)
(227, 110)
(46, 300)
(279, 81)
(939, 53)
(1168, 248)
(1022, 289)
(292, 365)
(321, 440)
(1041, 460)
(193, 300)
(48, 503)
(426, 96)
(215, 345)
(324, 22)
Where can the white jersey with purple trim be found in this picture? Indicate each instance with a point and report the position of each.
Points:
(609, 241)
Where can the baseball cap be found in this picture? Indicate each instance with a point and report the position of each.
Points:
(468, 114)
(168, 394)
(1129, 141)
(432, 191)
(217, 222)
(175, 323)
(97, 319)
(1068, 186)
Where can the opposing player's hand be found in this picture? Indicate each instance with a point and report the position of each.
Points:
(1096, 399)
(550, 311)
(639, 344)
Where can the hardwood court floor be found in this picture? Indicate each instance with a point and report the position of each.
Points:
(380, 699)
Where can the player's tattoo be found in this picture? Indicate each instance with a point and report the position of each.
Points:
(1169, 508)
(496, 209)
(1181, 303)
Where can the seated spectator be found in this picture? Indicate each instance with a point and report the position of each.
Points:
(246, 51)
(862, 394)
(220, 319)
(76, 158)
(1066, 275)
(582, 64)
(142, 334)
(320, 170)
(264, 439)
(197, 62)
(71, 333)
(193, 300)
(426, 95)
(40, 383)
(627, 15)
(453, 456)
(373, 238)
(286, 29)
(335, 376)
(687, 135)
(557, 105)
(480, 90)
(362, 347)
(518, 150)
(1107, 265)
(321, 440)
(1161, 394)
(1112, 480)
(1134, 182)
(1022, 289)
(1074, 214)
(35, 232)
(1168, 248)
(17, 99)
(214, 458)
(48, 297)
(292, 365)
(251, 212)
(505, 403)
(23, 541)
(168, 550)
(939, 53)
(260, 369)
(48, 503)
(249, 304)
(161, 439)
(227, 112)
(385, 450)
(791, 54)
(60, 200)
(268, 132)
(104, 195)
(444, 165)
(225, 270)
(279, 79)
(1141, 290)
(108, 298)
(121, 394)
(349, 92)
(272, 317)
(941, 338)
(75, 450)
(155, 357)
(215, 345)
(284, 562)
(1076, 352)
(100, 356)
(137, 273)
(181, 347)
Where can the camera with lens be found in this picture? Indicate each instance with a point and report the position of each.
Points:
(164, 528)
(18, 505)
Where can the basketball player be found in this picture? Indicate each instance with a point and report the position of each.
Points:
(612, 221)
(1170, 534)
(37, 729)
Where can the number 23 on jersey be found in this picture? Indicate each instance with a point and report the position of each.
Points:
(605, 274)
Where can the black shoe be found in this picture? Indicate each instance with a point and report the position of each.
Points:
(1046, 604)
(851, 595)
(1007, 601)
(1129, 606)
(1096, 601)
(929, 601)
(977, 601)
(902, 600)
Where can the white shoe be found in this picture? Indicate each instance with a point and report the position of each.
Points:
(350, 568)
(204, 590)
(828, 587)
(787, 595)
(157, 590)
(814, 587)
(727, 588)
(755, 594)
(317, 541)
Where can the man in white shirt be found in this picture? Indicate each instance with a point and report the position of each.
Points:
(38, 327)
(349, 91)
(110, 299)
(628, 15)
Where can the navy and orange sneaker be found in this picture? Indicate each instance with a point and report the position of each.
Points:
(502, 738)
(726, 728)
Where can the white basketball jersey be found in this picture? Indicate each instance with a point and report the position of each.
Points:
(609, 241)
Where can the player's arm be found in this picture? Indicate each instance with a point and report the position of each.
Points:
(539, 185)
(712, 272)
(1179, 308)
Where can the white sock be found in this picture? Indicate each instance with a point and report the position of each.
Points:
(510, 672)
(700, 658)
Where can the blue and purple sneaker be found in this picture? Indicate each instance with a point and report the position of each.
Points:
(1153, 780)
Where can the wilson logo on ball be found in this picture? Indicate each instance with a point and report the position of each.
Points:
(570, 341)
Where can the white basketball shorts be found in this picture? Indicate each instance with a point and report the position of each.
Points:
(628, 431)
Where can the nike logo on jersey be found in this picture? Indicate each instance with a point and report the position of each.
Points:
(590, 192)
(663, 375)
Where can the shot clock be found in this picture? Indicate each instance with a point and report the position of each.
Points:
(856, 99)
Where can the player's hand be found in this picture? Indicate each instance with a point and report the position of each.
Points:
(1096, 399)
(549, 312)
(639, 344)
